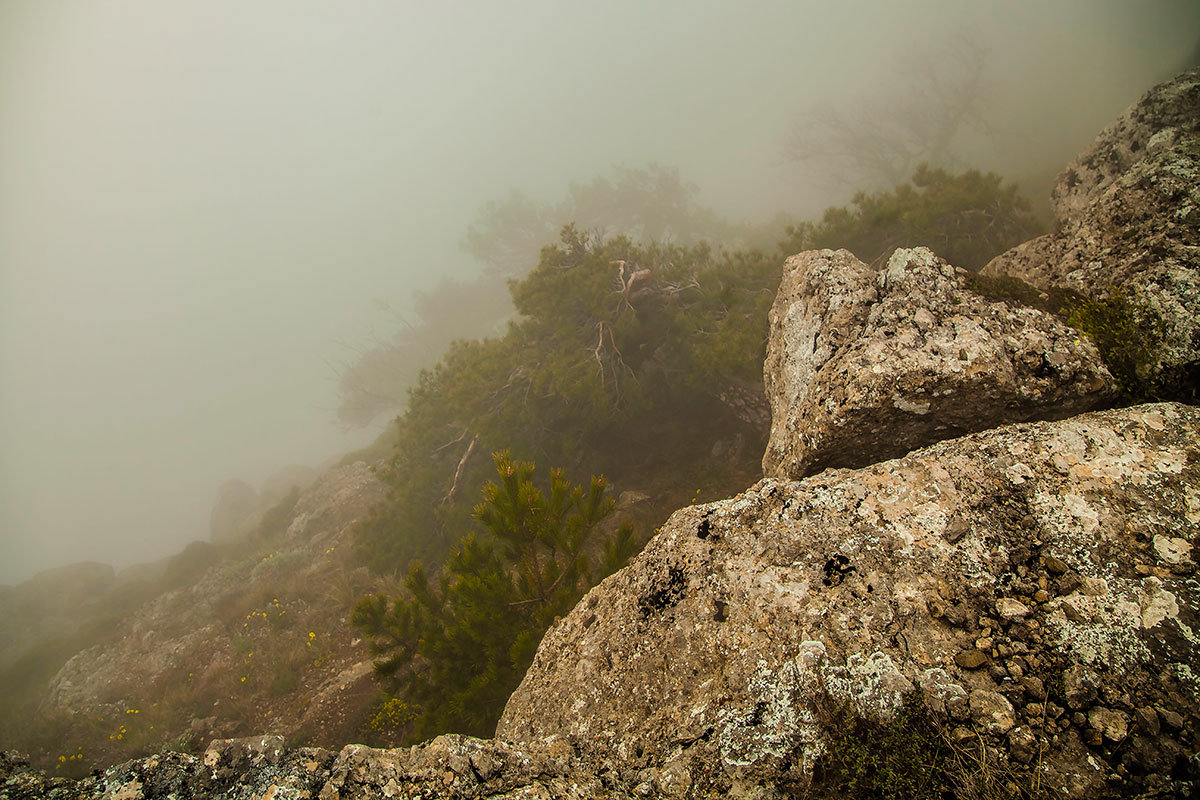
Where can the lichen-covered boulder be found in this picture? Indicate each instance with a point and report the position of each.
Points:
(864, 365)
(1035, 584)
(1127, 214)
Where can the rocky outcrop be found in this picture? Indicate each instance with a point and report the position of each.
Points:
(864, 365)
(1127, 213)
(1033, 582)
(451, 767)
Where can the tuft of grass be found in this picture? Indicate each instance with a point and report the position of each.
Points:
(905, 757)
(909, 756)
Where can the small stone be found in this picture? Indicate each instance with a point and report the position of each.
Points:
(1112, 724)
(971, 659)
(961, 734)
(993, 711)
(1014, 669)
(1079, 687)
(1041, 596)
(1095, 587)
(1055, 710)
(1022, 743)
(1147, 720)
(1078, 719)
(1035, 710)
(1034, 686)
(1143, 569)
(1171, 719)
(1055, 566)
(1068, 583)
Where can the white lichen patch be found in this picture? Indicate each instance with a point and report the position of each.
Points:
(1075, 522)
(1172, 550)
(1101, 629)
(1157, 604)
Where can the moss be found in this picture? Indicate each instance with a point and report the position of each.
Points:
(904, 757)
(1016, 291)
(1128, 334)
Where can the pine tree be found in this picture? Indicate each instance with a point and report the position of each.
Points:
(455, 651)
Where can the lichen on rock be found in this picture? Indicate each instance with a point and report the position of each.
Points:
(847, 585)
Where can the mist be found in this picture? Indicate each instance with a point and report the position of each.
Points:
(204, 206)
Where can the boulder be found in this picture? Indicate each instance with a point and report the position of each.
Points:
(864, 365)
(331, 506)
(1127, 215)
(723, 641)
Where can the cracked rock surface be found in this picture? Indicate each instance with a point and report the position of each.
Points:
(865, 365)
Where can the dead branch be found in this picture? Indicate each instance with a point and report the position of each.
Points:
(458, 472)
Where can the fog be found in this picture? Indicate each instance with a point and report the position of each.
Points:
(203, 206)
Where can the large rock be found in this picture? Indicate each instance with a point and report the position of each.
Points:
(865, 365)
(1128, 218)
(1031, 549)
(331, 506)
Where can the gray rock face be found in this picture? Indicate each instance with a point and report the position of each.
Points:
(717, 643)
(865, 365)
(1128, 217)
(335, 502)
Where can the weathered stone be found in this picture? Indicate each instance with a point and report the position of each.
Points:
(1113, 724)
(1055, 565)
(865, 365)
(826, 583)
(1147, 720)
(1011, 609)
(1079, 687)
(1128, 217)
(1172, 719)
(1034, 686)
(992, 711)
(1023, 744)
(971, 659)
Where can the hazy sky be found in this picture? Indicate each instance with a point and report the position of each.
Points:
(200, 201)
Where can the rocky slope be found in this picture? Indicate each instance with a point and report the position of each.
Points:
(1008, 613)
(258, 640)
